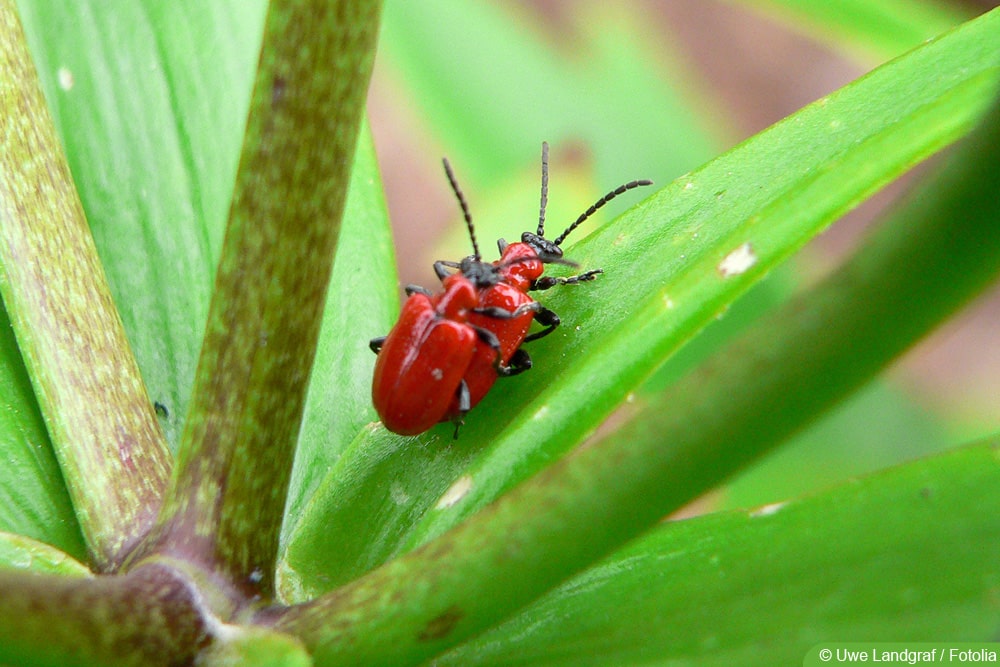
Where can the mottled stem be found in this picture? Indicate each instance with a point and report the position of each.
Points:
(225, 505)
(102, 425)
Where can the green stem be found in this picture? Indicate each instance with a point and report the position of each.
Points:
(148, 617)
(101, 422)
(784, 370)
(225, 504)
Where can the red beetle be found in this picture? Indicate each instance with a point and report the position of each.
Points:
(446, 351)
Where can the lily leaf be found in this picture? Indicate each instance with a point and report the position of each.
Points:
(673, 264)
(908, 553)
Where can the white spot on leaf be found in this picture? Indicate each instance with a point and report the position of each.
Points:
(455, 492)
(65, 77)
(738, 261)
(398, 494)
(767, 510)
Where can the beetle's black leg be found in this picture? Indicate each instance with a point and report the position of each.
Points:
(490, 338)
(441, 268)
(464, 405)
(376, 344)
(547, 319)
(519, 363)
(501, 314)
(546, 282)
(417, 289)
(543, 316)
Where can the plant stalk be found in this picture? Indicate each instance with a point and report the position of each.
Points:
(148, 617)
(106, 438)
(226, 499)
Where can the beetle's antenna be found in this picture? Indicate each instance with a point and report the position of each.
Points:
(465, 208)
(598, 204)
(545, 188)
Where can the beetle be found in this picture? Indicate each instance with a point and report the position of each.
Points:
(447, 350)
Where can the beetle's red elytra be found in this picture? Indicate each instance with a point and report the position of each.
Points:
(447, 349)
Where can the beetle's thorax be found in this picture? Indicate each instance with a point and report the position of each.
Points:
(520, 265)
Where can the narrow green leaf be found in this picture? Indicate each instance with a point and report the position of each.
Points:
(226, 499)
(255, 646)
(672, 265)
(875, 428)
(101, 422)
(27, 555)
(715, 232)
(910, 554)
(739, 405)
(150, 100)
(34, 501)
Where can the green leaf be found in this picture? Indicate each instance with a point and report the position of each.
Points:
(255, 646)
(690, 438)
(671, 267)
(33, 497)
(87, 383)
(25, 554)
(841, 445)
(910, 553)
(150, 100)
(715, 232)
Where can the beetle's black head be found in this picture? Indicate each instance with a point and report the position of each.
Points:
(541, 245)
(482, 274)
(547, 250)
